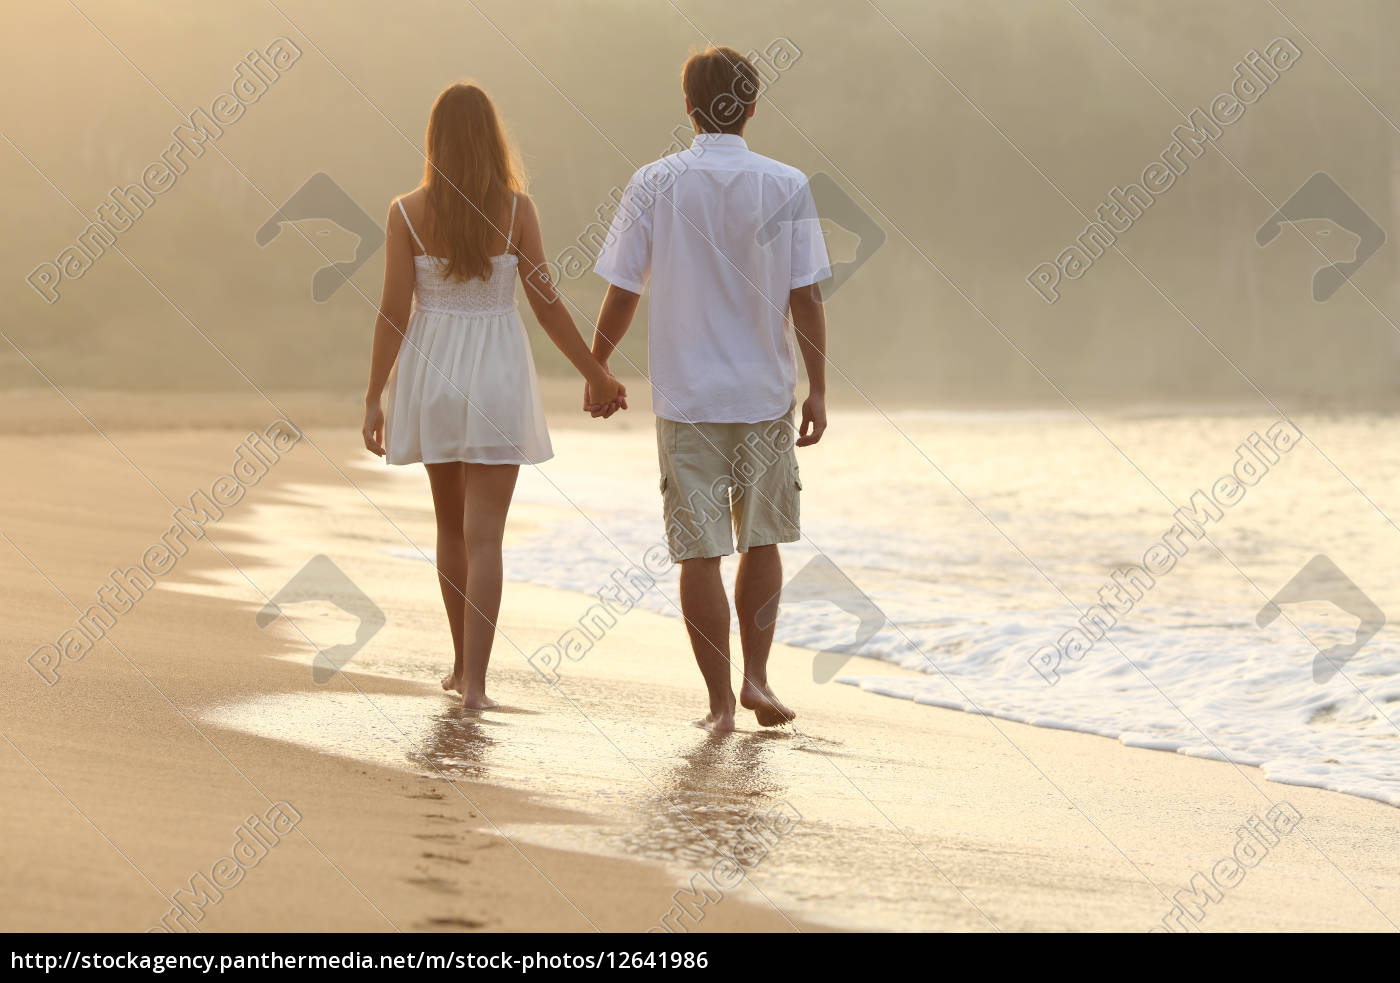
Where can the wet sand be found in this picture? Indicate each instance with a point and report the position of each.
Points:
(585, 804)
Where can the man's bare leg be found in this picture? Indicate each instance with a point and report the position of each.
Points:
(760, 581)
(706, 609)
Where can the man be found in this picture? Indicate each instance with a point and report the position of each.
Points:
(701, 226)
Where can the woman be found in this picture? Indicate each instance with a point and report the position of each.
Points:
(463, 398)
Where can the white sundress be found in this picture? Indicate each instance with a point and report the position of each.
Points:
(464, 386)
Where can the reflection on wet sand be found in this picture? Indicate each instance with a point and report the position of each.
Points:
(605, 779)
(458, 744)
(707, 802)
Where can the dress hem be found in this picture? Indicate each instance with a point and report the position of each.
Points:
(469, 460)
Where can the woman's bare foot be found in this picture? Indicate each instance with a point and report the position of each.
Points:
(720, 719)
(477, 701)
(721, 723)
(765, 705)
(451, 684)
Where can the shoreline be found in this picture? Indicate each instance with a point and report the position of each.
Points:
(30, 412)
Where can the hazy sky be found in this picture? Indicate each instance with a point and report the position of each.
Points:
(973, 140)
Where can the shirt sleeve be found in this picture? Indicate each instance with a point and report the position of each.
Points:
(625, 259)
(809, 259)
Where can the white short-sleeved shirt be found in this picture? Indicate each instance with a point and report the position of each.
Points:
(723, 234)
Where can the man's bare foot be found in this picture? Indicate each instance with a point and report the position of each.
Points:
(477, 701)
(451, 684)
(765, 705)
(716, 723)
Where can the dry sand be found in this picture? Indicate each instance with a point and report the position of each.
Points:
(587, 804)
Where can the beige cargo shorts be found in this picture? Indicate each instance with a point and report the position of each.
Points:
(726, 481)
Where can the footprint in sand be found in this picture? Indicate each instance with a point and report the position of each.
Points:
(439, 817)
(458, 923)
(439, 885)
(446, 858)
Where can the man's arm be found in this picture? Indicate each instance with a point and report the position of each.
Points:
(809, 323)
(614, 318)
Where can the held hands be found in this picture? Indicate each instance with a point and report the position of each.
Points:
(373, 430)
(813, 420)
(604, 396)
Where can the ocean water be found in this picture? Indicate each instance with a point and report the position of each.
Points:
(968, 547)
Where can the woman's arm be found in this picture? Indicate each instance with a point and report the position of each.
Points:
(552, 313)
(395, 305)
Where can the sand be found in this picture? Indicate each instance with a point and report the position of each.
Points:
(584, 805)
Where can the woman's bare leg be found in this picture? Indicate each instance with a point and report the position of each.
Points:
(489, 490)
(449, 482)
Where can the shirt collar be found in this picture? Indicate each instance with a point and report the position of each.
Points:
(708, 140)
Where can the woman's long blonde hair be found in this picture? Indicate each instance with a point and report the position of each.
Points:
(473, 170)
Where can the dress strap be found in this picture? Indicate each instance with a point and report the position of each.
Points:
(510, 229)
(399, 202)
